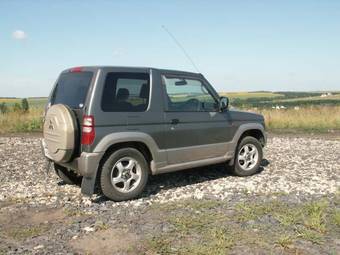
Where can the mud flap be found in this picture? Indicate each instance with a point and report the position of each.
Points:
(88, 185)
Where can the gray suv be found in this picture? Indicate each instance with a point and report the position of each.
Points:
(112, 127)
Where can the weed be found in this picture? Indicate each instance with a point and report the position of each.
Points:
(285, 241)
(74, 212)
(309, 235)
(26, 232)
(336, 217)
(315, 214)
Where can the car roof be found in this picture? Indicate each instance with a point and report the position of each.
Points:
(132, 68)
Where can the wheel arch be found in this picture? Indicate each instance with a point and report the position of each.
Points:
(255, 130)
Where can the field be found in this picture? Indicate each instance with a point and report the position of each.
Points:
(283, 111)
(35, 102)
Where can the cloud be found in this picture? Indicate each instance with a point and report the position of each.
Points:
(19, 35)
(118, 52)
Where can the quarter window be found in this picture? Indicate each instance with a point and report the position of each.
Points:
(126, 92)
(188, 95)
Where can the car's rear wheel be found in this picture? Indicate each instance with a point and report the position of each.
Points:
(248, 157)
(124, 174)
(67, 176)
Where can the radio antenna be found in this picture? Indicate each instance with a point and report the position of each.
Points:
(181, 47)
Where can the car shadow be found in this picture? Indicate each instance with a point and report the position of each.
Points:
(187, 177)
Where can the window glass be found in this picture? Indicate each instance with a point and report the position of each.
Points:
(126, 92)
(190, 95)
(71, 89)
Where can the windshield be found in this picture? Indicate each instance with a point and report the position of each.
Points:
(71, 89)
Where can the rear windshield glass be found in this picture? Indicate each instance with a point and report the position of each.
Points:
(71, 89)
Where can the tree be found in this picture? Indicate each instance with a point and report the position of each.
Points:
(3, 108)
(24, 105)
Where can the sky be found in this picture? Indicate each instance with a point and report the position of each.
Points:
(237, 45)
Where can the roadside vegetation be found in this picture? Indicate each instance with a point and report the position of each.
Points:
(283, 111)
(311, 119)
(20, 116)
(212, 227)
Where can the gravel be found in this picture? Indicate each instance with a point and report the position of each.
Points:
(300, 168)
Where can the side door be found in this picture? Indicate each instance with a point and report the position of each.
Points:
(194, 127)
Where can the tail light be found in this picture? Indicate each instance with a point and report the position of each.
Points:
(77, 69)
(87, 133)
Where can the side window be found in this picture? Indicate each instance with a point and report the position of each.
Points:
(126, 92)
(188, 95)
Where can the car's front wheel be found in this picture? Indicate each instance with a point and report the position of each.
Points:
(124, 174)
(248, 157)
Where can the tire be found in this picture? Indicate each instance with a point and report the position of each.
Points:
(67, 176)
(60, 132)
(247, 163)
(124, 174)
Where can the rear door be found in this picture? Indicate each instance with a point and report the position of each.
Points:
(195, 129)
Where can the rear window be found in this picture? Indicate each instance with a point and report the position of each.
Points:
(71, 89)
(126, 92)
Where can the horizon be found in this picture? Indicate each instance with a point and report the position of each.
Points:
(239, 47)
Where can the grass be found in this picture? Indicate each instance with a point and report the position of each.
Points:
(246, 95)
(312, 98)
(24, 232)
(34, 102)
(216, 228)
(318, 119)
(304, 119)
(336, 217)
(12, 122)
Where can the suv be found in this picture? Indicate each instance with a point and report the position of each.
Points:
(114, 126)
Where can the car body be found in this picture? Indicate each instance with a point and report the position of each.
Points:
(175, 119)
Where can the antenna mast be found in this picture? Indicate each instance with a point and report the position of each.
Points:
(181, 47)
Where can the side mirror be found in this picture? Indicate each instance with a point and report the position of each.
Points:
(224, 103)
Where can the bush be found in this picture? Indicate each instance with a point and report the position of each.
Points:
(17, 107)
(24, 105)
(3, 108)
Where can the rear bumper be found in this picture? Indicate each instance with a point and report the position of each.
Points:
(85, 165)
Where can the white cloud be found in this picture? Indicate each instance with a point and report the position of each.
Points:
(19, 35)
(118, 52)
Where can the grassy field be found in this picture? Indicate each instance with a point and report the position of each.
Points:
(315, 118)
(245, 95)
(304, 111)
(37, 102)
(13, 122)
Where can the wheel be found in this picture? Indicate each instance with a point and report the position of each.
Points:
(67, 176)
(60, 132)
(248, 157)
(124, 174)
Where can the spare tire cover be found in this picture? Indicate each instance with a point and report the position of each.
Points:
(59, 132)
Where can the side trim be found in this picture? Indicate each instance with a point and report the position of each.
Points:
(229, 155)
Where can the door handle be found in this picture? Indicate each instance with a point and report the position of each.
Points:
(174, 121)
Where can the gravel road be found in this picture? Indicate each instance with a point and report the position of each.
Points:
(297, 168)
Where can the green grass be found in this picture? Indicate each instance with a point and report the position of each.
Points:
(24, 232)
(215, 228)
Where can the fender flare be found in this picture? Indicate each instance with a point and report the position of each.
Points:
(240, 131)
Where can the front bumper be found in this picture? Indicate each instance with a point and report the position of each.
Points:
(85, 165)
